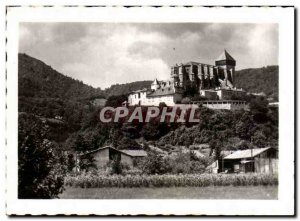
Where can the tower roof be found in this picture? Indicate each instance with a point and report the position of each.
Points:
(225, 56)
(155, 81)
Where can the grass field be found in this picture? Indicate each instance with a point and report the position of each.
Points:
(210, 192)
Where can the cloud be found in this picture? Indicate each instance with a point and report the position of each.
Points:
(101, 54)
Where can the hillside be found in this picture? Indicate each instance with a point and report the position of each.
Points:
(37, 79)
(257, 80)
(46, 93)
(119, 89)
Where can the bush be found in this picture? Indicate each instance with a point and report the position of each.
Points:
(186, 100)
(155, 164)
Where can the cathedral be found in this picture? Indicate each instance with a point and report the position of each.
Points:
(205, 76)
(214, 83)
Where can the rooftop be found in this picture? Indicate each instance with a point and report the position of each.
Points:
(135, 153)
(141, 90)
(225, 56)
(162, 92)
(241, 154)
(132, 153)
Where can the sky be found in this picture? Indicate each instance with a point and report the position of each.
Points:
(102, 54)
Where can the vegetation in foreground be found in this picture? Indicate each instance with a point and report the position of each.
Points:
(210, 192)
(168, 180)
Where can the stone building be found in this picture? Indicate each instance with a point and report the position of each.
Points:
(213, 82)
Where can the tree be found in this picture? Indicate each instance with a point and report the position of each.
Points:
(129, 144)
(71, 162)
(155, 164)
(244, 127)
(259, 139)
(216, 144)
(259, 109)
(40, 170)
(116, 101)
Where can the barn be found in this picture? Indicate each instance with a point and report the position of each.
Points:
(103, 155)
(258, 160)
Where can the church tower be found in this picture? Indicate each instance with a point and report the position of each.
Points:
(226, 62)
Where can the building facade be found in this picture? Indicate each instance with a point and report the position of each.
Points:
(213, 82)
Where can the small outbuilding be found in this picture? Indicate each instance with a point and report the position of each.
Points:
(258, 160)
(104, 155)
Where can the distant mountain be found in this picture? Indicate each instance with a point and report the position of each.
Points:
(119, 89)
(258, 80)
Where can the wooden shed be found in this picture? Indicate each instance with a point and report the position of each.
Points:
(258, 160)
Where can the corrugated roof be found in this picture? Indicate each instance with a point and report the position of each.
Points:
(241, 154)
(135, 153)
(225, 56)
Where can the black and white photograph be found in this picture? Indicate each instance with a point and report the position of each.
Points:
(151, 110)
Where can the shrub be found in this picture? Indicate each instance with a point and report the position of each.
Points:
(155, 164)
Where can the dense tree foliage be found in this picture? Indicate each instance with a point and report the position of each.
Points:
(41, 166)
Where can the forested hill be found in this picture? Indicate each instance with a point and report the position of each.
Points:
(257, 80)
(119, 89)
(37, 79)
(65, 103)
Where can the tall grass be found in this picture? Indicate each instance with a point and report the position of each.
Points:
(186, 180)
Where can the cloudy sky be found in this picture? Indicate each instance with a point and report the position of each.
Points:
(101, 54)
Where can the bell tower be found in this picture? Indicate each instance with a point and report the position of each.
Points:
(227, 63)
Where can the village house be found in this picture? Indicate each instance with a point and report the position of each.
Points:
(104, 155)
(258, 160)
(213, 82)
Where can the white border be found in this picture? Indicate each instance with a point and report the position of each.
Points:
(283, 16)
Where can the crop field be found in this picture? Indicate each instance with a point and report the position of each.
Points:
(187, 180)
(208, 192)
